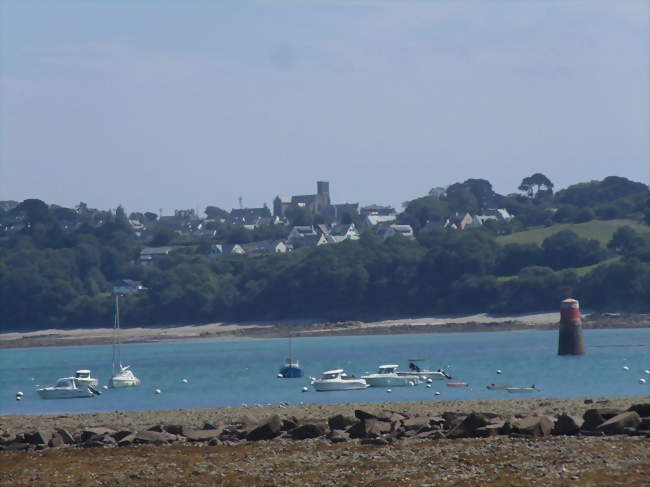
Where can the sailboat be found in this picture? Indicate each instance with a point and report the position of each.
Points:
(291, 369)
(122, 375)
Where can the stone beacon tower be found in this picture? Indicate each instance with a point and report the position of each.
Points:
(571, 341)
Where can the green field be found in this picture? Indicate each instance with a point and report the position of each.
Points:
(601, 230)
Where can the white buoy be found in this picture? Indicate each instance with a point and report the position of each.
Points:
(642, 381)
(20, 393)
(19, 398)
(305, 389)
(626, 368)
(499, 371)
(646, 371)
(157, 391)
(279, 376)
(429, 380)
(437, 393)
(389, 390)
(411, 383)
(429, 386)
(184, 381)
(105, 387)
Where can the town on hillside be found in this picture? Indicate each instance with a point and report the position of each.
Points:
(298, 221)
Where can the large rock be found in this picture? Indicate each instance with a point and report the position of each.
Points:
(642, 409)
(126, 440)
(248, 422)
(420, 423)
(88, 433)
(374, 428)
(535, 426)
(360, 414)
(618, 424)
(202, 435)
(39, 437)
(174, 429)
(452, 419)
(154, 437)
(568, 424)
(338, 436)
(468, 426)
(309, 430)
(266, 430)
(68, 439)
(597, 416)
(340, 422)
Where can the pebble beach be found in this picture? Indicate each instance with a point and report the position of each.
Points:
(403, 444)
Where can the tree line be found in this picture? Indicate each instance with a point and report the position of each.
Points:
(54, 277)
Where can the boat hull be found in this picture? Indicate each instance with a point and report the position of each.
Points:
(521, 390)
(118, 383)
(291, 372)
(390, 381)
(345, 385)
(53, 393)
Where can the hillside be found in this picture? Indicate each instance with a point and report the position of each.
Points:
(601, 230)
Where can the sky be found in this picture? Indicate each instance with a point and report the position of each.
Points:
(167, 105)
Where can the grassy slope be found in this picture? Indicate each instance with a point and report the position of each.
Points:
(601, 230)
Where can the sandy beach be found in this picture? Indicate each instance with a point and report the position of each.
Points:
(314, 327)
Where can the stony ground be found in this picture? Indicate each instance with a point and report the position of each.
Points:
(499, 461)
(412, 456)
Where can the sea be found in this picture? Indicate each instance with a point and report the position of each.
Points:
(232, 373)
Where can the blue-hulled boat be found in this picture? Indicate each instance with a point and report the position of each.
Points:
(291, 369)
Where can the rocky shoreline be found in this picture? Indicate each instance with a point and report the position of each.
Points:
(278, 436)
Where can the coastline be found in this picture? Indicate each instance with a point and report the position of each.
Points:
(526, 442)
(314, 328)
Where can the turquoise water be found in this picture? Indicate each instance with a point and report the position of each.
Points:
(229, 373)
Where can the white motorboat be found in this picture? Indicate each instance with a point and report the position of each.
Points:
(122, 375)
(522, 390)
(387, 376)
(67, 388)
(338, 380)
(83, 377)
(424, 373)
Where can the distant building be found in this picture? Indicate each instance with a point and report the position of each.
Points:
(300, 232)
(309, 241)
(315, 203)
(219, 250)
(373, 220)
(250, 216)
(265, 247)
(347, 230)
(392, 230)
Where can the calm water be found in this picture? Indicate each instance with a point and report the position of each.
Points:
(229, 373)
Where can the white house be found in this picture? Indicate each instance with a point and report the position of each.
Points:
(392, 230)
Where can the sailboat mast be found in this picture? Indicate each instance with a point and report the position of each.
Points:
(117, 328)
(114, 333)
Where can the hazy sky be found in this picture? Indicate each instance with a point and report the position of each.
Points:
(184, 104)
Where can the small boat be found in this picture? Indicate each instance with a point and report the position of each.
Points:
(522, 390)
(457, 384)
(124, 378)
(338, 380)
(83, 377)
(494, 387)
(424, 373)
(291, 369)
(67, 388)
(387, 376)
(122, 375)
